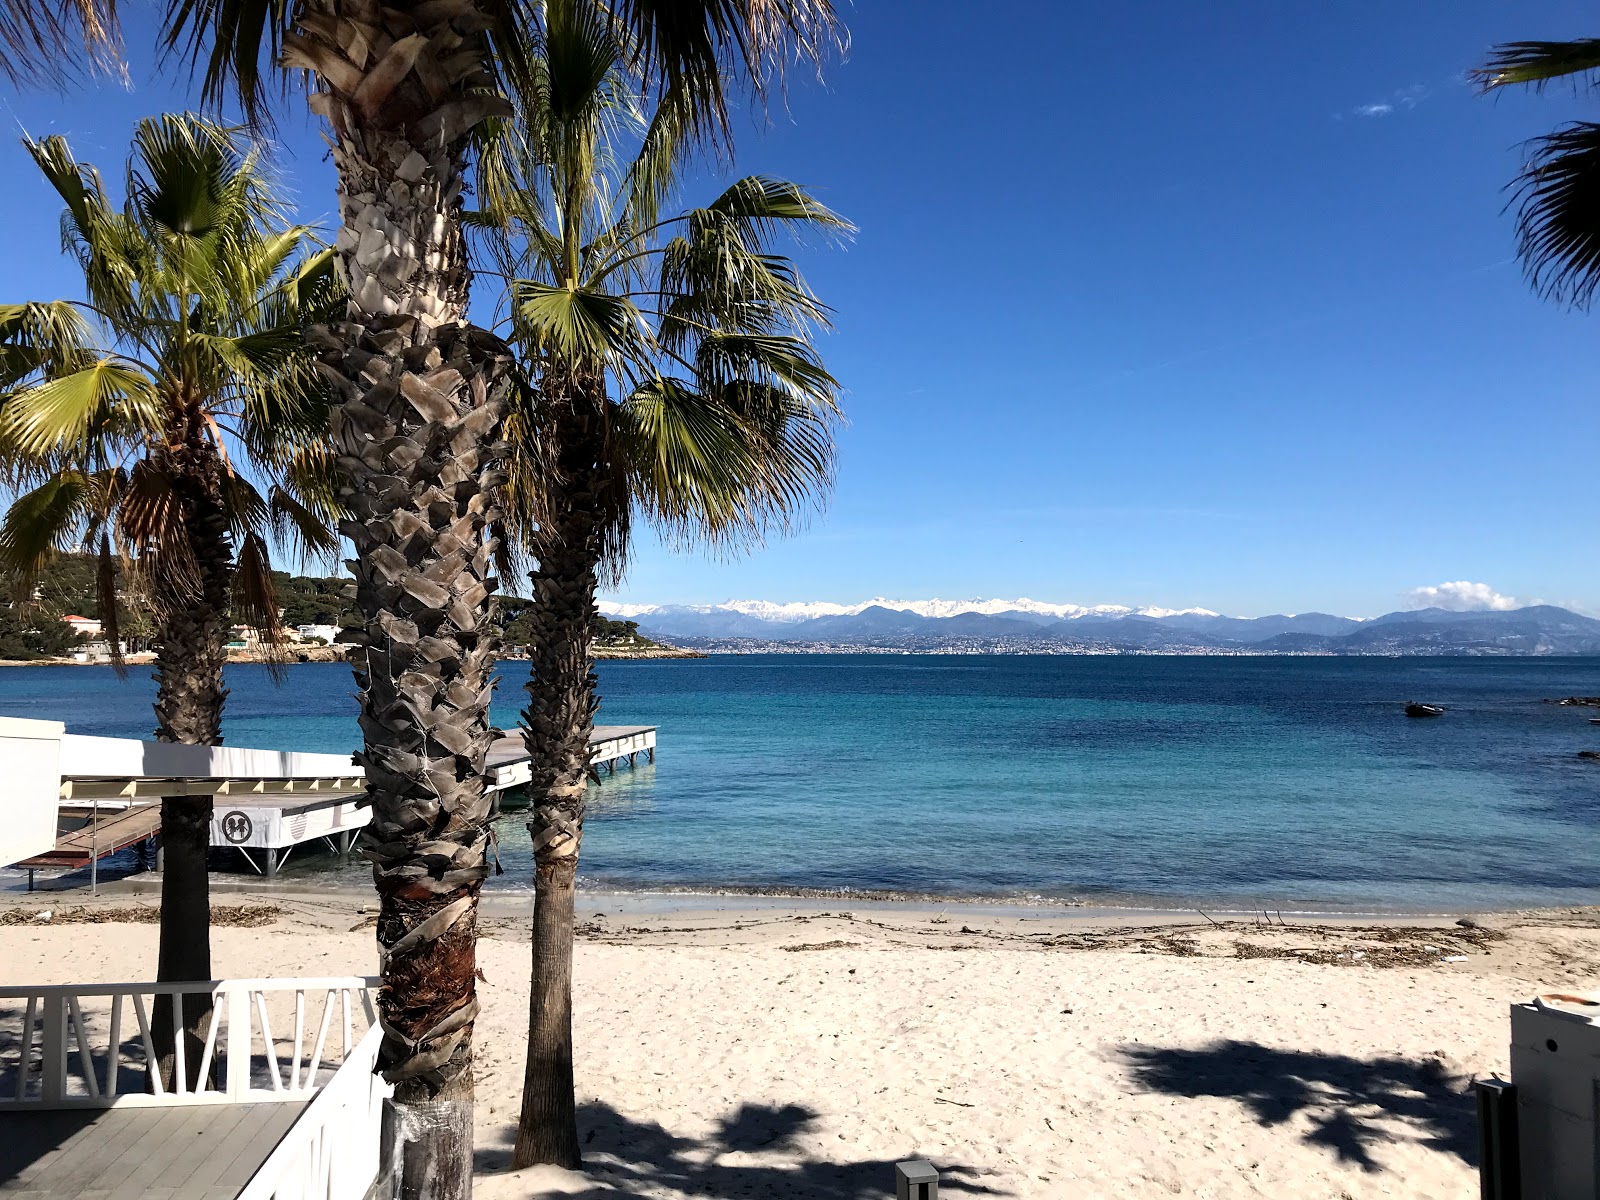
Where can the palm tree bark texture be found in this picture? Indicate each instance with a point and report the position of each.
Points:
(556, 726)
(191, 640)
(417, 438)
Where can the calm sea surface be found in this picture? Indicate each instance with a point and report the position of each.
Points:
(1294, 782)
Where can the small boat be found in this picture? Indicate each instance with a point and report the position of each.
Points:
(1423, 710)
(1594, 720)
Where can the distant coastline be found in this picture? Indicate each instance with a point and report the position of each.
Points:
(296, 655)
(1539, 630)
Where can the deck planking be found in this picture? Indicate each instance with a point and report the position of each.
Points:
(510, 748)
(181, 1152)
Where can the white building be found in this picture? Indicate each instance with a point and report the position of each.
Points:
(328, 633)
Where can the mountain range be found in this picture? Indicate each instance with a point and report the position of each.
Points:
(1027, 626)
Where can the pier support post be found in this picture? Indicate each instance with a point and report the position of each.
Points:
(916, 1180)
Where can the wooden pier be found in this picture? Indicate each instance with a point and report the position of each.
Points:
(608, 746)
(266, 802)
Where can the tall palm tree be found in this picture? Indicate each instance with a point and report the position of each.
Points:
(670, 376)
(136, 418)
(409, 88)
(1557, 192)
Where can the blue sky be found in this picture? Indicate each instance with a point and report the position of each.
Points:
(1152, 303)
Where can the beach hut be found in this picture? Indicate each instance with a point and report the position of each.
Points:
(31, 751)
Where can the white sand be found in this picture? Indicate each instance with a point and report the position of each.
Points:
(713, 1062)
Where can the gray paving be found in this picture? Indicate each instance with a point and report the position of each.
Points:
(188, 1152)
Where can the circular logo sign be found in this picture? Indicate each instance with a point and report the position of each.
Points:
(236, 827)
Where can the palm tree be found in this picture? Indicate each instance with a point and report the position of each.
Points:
(1557, 192)
(131, 418)
(409, 88)
(669, 376)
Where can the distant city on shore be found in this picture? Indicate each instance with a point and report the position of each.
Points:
(1032, 627)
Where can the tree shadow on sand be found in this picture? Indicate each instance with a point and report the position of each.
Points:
(1353, 1104)
(631, 1155)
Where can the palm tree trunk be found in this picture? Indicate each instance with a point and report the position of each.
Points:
(417, 435)
(556, 726)
(192, 631)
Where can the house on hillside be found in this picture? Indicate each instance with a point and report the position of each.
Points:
(85, 626)
(324, 633)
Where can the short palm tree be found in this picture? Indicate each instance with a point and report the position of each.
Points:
(669, 376)
(409, 88)
(173, 416)
(1558, 190)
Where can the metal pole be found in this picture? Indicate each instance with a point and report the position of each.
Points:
(94, 849)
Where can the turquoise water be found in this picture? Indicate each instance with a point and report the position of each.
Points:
(1292, 782)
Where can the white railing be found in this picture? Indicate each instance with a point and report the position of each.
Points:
(63, 1046)
(331, 1152)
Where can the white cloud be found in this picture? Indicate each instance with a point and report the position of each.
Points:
(1401, 98)
(1461, 596)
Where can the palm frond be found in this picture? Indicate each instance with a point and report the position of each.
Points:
(724, 465)
(1537, 63)
(42, 41)
(46, 521)
(691, 48)
(765, 204)
(586, 326)
(46, 416)
(1557, 195)
(44, 339)
(234, 46)
(255, 598)
(184, 168)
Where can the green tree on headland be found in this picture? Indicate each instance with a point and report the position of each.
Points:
(667, 375)
(136, 420)
(1557, 192)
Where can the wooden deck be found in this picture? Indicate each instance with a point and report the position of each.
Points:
(510, 748)
(116, 829)
(187, 1152)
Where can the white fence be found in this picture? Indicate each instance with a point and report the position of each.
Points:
(65, 1046)
(332, 1151)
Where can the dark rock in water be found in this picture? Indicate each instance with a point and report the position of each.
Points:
(1594, 754)
(1582, 701)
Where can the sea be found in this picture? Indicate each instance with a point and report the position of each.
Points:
(1290, 784)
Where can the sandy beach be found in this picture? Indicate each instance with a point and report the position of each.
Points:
(798, 1052)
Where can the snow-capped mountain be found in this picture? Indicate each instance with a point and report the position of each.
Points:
(1033, 625)
(767, 610)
